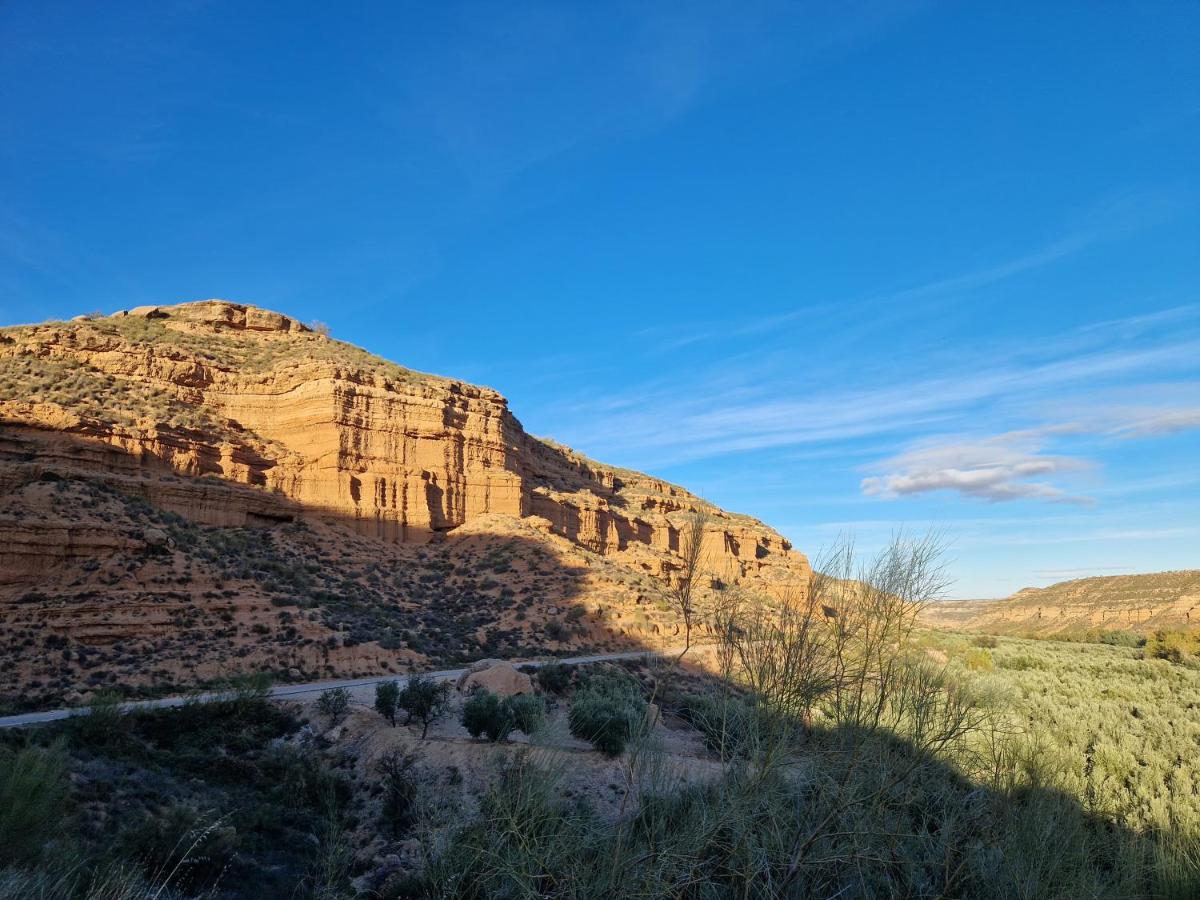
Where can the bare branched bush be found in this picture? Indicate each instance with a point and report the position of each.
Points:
(837, 652)
(680, 590)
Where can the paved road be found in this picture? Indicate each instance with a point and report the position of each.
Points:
(361, 689)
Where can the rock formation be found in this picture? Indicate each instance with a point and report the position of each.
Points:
(233, 417)
(1138, 603)
(495, 675)
(323, 430)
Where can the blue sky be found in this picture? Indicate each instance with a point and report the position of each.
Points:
(845, 267)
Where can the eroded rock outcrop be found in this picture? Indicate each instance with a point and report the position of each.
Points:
(497, 677)
(223, 393)
(192, 491)
(1141, 603)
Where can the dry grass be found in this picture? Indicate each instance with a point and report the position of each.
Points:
(98, 396)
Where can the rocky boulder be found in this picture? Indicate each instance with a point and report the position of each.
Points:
(496, 676)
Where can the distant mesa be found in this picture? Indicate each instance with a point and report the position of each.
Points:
(1138, 603)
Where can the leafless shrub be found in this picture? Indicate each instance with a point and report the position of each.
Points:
(680, 589)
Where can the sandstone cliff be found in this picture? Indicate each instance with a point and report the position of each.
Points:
(1139, 603)
(217, 415)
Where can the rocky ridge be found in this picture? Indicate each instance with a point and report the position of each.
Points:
(1139, 603)
(223, 417)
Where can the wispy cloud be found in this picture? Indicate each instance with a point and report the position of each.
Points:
(1163, 422)
(600, 73)
(991, 274)
(718, 413)
(996, 469)
(1009, 466)
(1136, 324)
(1108, 219)
(1095, 536)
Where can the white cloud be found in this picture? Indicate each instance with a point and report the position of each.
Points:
(994, 469)
(725, 412)
(1161, 422)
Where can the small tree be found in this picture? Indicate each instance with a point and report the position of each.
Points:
(398, 777)
(425, 700)
(334, 703)
(680, 592)
(485, 714)
(494, 717)
(607, 712)
(387, 698)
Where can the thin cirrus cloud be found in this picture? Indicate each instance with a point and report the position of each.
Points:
(1162, 422)
(599, 73)
(1108, 219)
(712, 416)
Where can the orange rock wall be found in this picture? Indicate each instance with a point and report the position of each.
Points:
(397, 457)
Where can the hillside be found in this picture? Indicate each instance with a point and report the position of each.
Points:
(195, 490)
(1139, 603)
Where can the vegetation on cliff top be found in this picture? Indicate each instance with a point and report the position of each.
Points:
(249, 352)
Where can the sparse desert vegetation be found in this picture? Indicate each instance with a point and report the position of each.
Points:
(286, 616)
(810, 755)
(812, 741)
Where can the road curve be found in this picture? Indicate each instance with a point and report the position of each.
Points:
(360, 689)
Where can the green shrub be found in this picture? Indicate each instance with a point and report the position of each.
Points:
(247, 691)
(606, 711)
(486, 714)
(1173, 646)
(989, 641)
(1019, 662)
(334, 703)
(1121, 639)
(387, 699)
(979, 660)
(555, 678)
(727, 723)
(162, 836)
(102, 724)
(33, 793)
(425, 700)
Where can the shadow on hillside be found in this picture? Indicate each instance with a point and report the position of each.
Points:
(330, 601)
(151, 601)
(838, 818)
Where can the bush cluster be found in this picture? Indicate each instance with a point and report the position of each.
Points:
(207, 799)
(555, 678)
(422, 699)
(607, 711)
(488, 715)
(1174, 646)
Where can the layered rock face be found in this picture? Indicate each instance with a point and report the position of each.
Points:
(182, 403)
(1139, 603)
